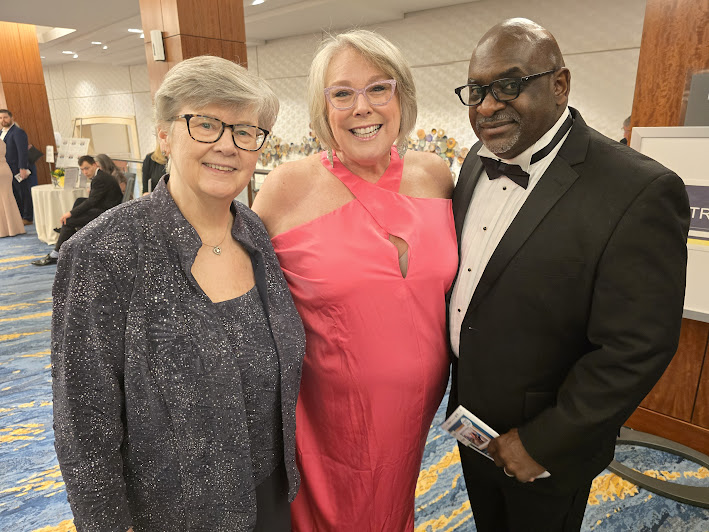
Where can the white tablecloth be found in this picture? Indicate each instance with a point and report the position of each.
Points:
(50, 203)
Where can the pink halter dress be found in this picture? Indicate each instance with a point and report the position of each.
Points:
(376, 362)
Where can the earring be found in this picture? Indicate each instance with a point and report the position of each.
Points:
(401, 150)
(329, 158)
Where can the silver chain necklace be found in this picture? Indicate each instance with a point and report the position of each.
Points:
(217, 250)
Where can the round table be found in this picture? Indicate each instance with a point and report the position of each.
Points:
(50, 203)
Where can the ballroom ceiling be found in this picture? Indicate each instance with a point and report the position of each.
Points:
(107, 22)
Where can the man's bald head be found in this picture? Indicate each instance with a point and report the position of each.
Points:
(517, 48)
(522, 33)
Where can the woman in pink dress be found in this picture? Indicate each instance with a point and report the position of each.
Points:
(10, 219)
(366, 240)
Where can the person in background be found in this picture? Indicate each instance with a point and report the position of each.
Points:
(153, 168)
(366, 240)
(176, 347)
(105, 194)
(10, 219)
(626, 131)
(568, 301)
(106, 164)
(16, 145)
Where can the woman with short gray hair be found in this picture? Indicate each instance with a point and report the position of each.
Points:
(176, 347)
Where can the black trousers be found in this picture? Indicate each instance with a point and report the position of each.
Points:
(74, 223)
(502, 504)
(23, 196)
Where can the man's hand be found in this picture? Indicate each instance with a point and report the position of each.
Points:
(24, 173)
(508, 452)
(65, 217)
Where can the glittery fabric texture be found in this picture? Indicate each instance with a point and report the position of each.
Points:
(149, 410)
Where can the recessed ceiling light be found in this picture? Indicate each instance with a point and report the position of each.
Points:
(96, 42)
(42, 57)
(257, 2)
(67, 52)
(105, 47)
(134, 30)
(75, 56)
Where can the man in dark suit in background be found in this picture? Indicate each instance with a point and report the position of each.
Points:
(17, 145)
(105, 194)
(568, 302)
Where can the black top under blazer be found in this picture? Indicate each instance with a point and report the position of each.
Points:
(578, 311)
(149, 413)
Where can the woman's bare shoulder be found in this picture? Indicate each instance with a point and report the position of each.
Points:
(428, 175)
(283, 191)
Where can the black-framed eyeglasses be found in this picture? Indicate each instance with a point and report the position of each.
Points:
(209, 130)
(503, 90)
(378, 93)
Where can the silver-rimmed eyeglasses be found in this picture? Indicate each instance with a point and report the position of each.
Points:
(503, 90)
(209, 130)
(378, 93)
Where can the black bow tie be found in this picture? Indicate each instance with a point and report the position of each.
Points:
(495, 168)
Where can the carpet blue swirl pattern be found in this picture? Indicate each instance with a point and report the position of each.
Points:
(32, 494)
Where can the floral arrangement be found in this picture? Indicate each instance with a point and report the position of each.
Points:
(276, 152)
(58, 177)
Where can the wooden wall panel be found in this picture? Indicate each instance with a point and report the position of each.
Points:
(30, 54)
(199, 18)
(668, 427)
(23, 89)
(12, 68)
(675, 393)
(231, 21)
(151, 17)
(191, 28)
(701, 406)
(674, 45)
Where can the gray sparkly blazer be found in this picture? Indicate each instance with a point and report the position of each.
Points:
(149, 414)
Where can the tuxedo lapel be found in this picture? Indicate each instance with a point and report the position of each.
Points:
(467, 179)
(557, 179)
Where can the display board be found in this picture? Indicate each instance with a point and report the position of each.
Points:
(685, 150)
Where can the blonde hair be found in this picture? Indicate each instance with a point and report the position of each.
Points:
(158, 156)
(208, 80)
(383, 55)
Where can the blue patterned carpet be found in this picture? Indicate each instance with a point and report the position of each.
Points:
(32, 495)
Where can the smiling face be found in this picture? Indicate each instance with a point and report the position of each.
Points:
(206, 172)
(364, 133)
(509, 128)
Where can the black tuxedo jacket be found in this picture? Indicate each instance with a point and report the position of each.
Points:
(105, 194)
(16, 153)
(578, 311)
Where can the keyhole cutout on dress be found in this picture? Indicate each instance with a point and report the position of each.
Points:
(403, 248)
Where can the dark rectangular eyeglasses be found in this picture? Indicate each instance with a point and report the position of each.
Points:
(503, 90)
(209, 130)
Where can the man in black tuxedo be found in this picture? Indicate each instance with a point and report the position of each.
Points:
(568, 301)
(105, 194)
(16, 155)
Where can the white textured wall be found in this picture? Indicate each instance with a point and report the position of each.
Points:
(82, 89)
(600, 41)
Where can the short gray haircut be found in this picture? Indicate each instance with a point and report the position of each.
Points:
(207, 80)
(383, 55)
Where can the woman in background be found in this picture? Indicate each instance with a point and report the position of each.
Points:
(367, 243)
(106, 164)
(176, 347)
(153, 168)
(10, 219)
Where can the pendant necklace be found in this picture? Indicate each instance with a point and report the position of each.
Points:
(217, 250)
